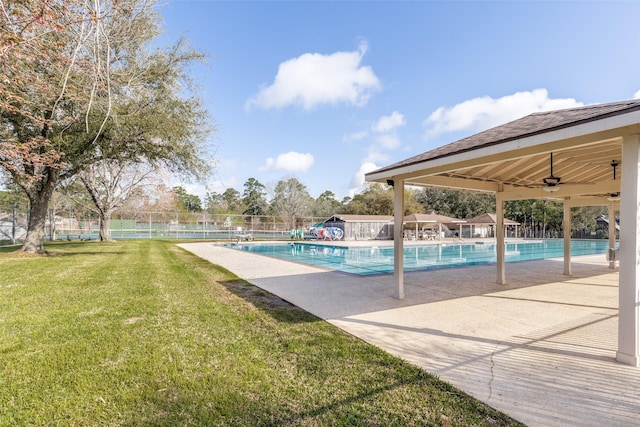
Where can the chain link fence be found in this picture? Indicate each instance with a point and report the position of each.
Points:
(13, 224)
(71, 224)
(78, 224)
(207, 226)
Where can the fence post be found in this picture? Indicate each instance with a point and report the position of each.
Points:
(13, 225)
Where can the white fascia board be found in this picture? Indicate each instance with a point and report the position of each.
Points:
(608, 126)
(591, 201)
(457, 183)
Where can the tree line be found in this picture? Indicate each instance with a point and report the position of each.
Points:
(290, 198)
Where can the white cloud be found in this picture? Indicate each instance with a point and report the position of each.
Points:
(388, 123)
(291, 162)
(388, 141)
(385, 137)
(636, 95)
(357, 181)
(355, 136)
(479, 114)
(375, 156)
(313, 79)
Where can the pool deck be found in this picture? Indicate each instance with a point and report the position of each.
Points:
(541, 348)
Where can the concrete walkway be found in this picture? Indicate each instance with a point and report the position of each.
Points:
(541, 348)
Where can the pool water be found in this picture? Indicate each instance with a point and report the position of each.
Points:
(379, 260)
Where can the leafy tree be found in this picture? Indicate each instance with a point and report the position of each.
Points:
(79, 84)
(411, 204)
(519, 211)
(457, 204)
(253, 197)
(187, 202)
(214, 203)
(377, 199)
(12, 197)
(326, 204)
(232, 200)
(583, 219)
(290, 200)
(543, 218)
(228, 202)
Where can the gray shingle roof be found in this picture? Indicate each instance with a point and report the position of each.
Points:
(533, 124)
(360, 218)
(489, 218)
(432, 217)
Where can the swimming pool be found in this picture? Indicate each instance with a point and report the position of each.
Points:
(379, 260)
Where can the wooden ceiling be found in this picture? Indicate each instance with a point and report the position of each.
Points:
(588, 170)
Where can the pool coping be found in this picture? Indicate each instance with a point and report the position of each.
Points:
(389, 245)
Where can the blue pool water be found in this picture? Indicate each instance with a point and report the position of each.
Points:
(379, 260)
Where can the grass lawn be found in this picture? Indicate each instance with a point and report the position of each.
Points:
(143, 333)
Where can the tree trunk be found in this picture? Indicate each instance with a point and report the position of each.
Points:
(38, 206)
(33, 243)
(105, 220)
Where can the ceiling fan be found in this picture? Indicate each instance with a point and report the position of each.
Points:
(552, 183)
(614, 197)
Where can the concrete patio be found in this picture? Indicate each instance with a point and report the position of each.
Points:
(541, 348)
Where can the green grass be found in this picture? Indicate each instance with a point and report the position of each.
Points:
(143, 333)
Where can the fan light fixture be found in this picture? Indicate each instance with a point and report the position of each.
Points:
(551, 188)
(614, 197)
(551, 183)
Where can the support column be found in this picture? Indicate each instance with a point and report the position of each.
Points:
(612, 233)
(398, 244)
(501, 278)
(629, 279)
(566, 231)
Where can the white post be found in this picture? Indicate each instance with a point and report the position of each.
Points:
(629, 278)
(612, 233)
(566, 231)
(398, 217)
(501, 278)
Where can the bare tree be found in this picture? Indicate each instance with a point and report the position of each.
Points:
(110, 184)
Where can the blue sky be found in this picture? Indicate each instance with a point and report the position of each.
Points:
(327, 91)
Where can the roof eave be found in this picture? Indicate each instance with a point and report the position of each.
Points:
(601, 129)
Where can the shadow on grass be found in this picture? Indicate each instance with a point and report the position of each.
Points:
(269, 303)
(352, 410)
(9, 249)
(61, 249)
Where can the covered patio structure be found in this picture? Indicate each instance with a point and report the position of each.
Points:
(587, 156)
(482, 225)
(431, 221)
